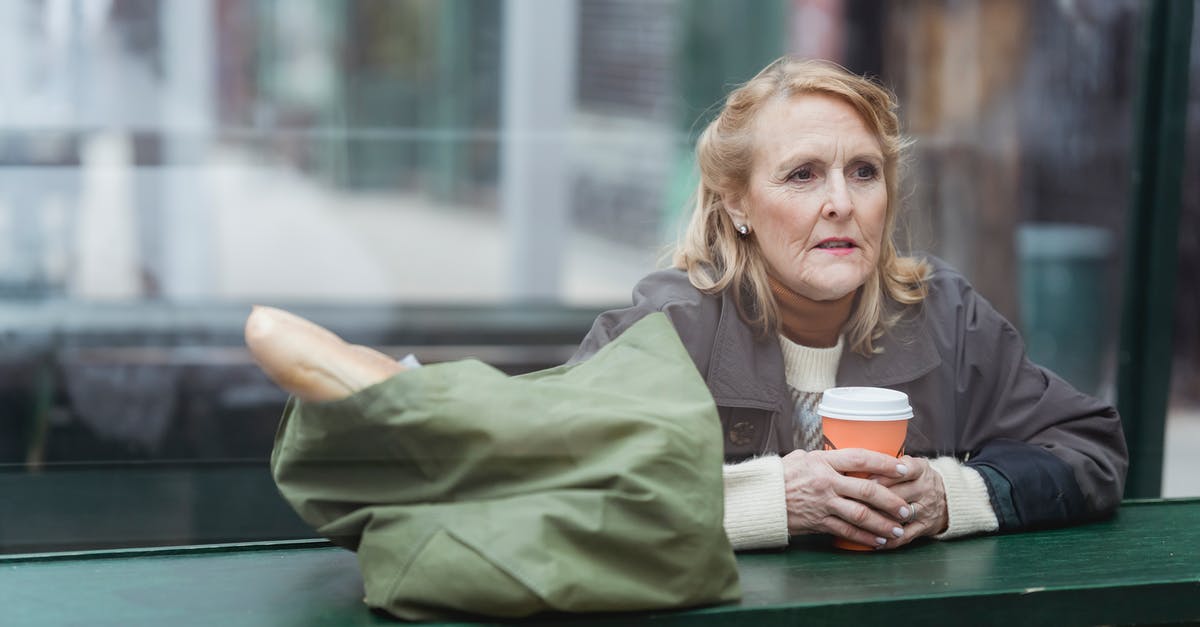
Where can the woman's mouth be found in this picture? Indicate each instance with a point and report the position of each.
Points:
(837, 246)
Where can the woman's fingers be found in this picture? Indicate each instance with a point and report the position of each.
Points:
(864, 462)
(850, 520)
(924, 490)
(910, 482)
(872, 496)
(867, 522)
(837, 527)
(822, 500)
(866, 468)
(925, 523)
(920, 481)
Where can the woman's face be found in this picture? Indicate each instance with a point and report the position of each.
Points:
(816, 200)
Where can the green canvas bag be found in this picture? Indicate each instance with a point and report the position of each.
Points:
(593, 487)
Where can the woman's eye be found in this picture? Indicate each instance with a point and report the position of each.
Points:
(865, 172)
(803, 174)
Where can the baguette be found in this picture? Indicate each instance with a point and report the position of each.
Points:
(309, 360)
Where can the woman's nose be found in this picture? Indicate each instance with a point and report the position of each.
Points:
(838, 204)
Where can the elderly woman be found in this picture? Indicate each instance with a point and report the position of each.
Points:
(788, 282)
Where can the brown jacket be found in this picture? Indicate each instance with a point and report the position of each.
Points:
(1050, 455)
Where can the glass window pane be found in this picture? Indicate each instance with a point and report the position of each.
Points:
(468, 178)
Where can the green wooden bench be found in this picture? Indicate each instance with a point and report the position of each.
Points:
(1141, 567)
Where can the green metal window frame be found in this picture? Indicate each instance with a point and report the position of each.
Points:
(1151, 252)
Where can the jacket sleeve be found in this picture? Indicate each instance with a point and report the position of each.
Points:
(690, 312)
(607, 327)
(1050, 455)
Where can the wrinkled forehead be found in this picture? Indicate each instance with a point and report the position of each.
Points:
(823, 124)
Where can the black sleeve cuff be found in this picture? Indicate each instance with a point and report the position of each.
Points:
(1029, 487)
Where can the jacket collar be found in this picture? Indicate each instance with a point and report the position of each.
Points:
(908, 354)
(747, 371)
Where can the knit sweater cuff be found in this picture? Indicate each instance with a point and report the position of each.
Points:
(755, 504)
(967, 502)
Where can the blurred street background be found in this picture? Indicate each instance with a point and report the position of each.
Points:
(479, 178)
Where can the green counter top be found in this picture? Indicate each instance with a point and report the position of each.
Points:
(1141, 567)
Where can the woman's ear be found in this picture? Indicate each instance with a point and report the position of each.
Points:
(736, 210)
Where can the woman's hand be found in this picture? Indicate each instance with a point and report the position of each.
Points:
(822, 499)
(925, 493)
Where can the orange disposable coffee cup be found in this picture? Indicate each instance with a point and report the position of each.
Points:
(863, 417)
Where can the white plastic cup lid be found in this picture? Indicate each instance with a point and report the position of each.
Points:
(864, 403)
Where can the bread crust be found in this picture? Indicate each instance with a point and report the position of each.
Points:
(309, 360)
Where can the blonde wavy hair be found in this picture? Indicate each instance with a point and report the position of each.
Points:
(716, 258)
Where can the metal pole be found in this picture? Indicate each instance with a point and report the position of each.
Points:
(1151, 257)
(188, 117)
(537, 101)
